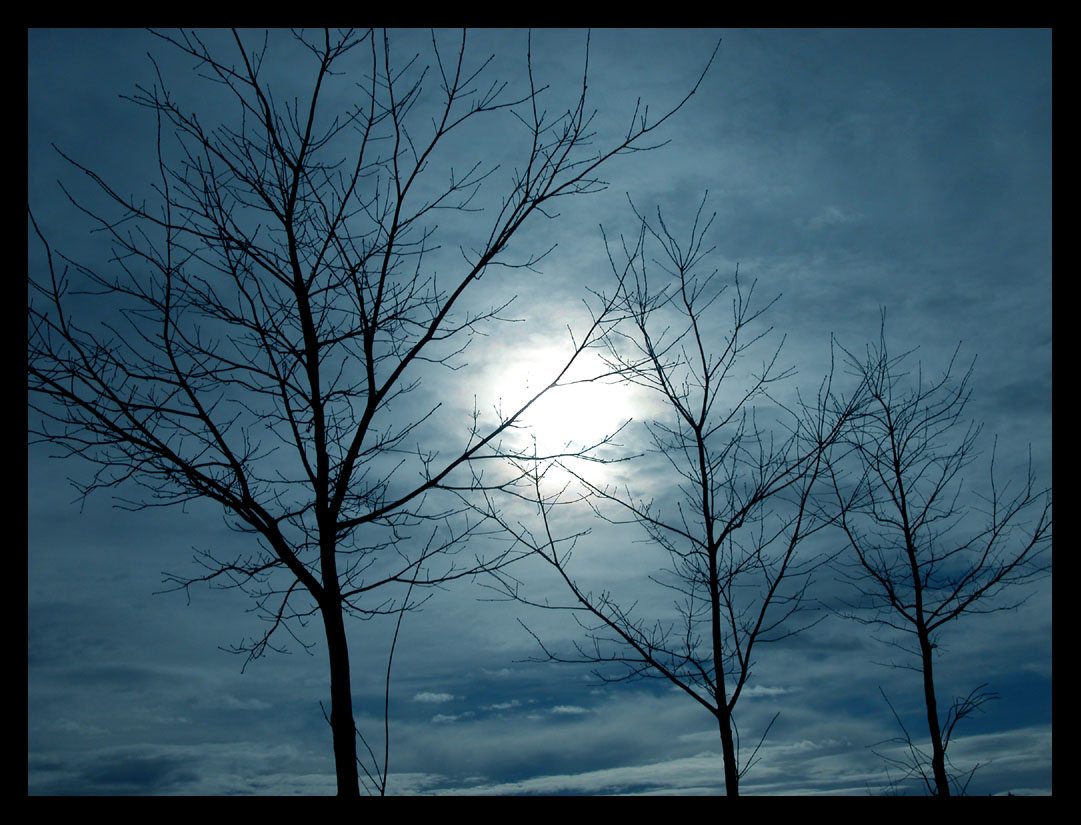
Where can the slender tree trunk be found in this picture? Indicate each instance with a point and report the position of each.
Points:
(723, 712)
(728, 749)
(938, 753)
(343, 727)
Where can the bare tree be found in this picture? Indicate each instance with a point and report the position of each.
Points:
(745, 470)
(926, 548)
(264, 316)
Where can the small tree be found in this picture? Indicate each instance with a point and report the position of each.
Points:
(745, 469)
(267, 314)
(925, 548)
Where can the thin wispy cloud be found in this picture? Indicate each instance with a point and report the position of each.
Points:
(568, 710)
(430, 697)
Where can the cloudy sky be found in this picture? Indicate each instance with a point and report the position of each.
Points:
(849, 171)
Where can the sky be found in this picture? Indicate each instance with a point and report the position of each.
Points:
(851, 172)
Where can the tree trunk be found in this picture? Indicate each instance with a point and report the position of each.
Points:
(938, 753)
(728, 749)
(343, 727)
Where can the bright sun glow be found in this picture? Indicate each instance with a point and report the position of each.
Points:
(574, 416)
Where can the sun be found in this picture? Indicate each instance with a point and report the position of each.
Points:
(581, 411)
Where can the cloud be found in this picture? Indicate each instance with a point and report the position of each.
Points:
(513, 703)
(449, 718)
(433, 698)
(694, 775)
(766, 690)
(830, 216)
(200, 769)
(569, 710)
(230, 702)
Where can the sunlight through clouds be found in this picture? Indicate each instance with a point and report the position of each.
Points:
(584, 408)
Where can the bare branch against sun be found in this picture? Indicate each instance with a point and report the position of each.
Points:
(741, 465)
(268, 307)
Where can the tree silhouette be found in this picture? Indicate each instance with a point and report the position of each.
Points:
(926, 548)
(267, 313)
(744, 470)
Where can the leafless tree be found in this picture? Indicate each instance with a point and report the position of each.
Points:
(927, 548)
(745, 470)
(265, 315)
